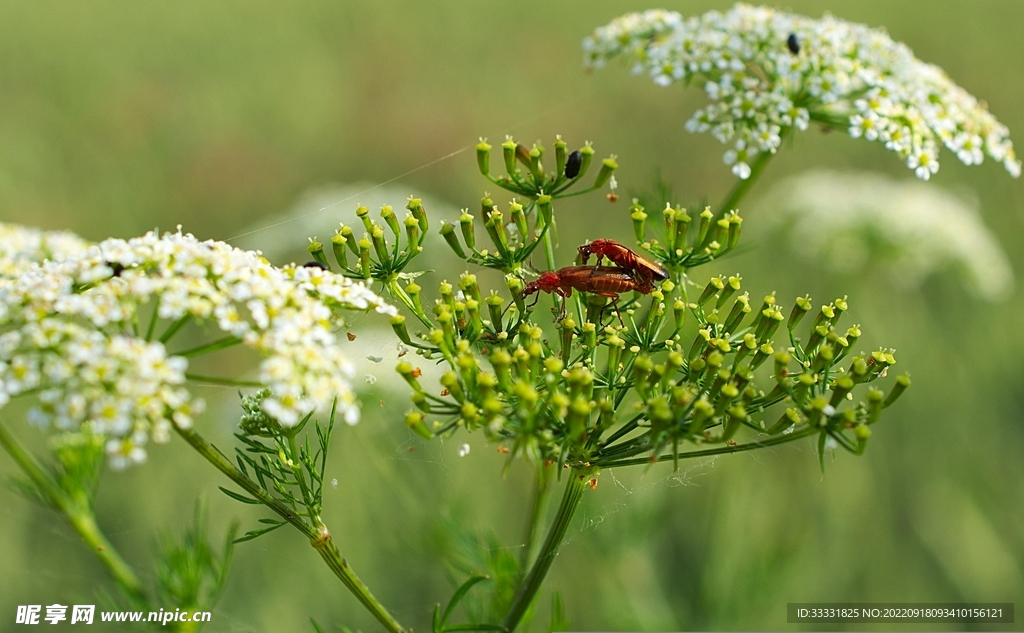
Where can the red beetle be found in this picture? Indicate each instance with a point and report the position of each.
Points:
(606, 281)
(624, 257)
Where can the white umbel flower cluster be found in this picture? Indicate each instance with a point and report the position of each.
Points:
(912, 230)
(75, 332)
(767, 72)
(22, 246)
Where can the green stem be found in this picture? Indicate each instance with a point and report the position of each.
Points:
(221, 463)
(541, 492)
(528, 589)
(721, 450)
(81, 519)
(741, 188)
(318, 535)
(325, 546)
(399, 292)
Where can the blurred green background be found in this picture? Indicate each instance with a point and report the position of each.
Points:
(116, 117)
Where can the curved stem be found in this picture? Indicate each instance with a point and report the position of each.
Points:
(541, 492)
(721, 450)
(329, 552)
(318, 534)
(79, 517)
(528, 589)
(740, 189)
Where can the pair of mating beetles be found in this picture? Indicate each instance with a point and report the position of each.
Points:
(630, 272)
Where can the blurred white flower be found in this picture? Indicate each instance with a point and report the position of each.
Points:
(766, 71)
(847, 221)
(463, 450)
(76, 334)
(21, 246)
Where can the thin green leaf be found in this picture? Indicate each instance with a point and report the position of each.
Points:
(251, 534)
(239, 497)
(460, 593)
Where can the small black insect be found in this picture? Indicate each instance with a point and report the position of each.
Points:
(572, 164)
(315, 264)
(116, 267)
(793, 44)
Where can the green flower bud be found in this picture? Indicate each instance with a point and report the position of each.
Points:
(495, 226)
(508, 151)
(410, 374)
(340, 250)
(364, 257)
(732, 284)
(842, 386)
(380, 245)
(561, 153)
(483, 157)
(414, 420)
(447, 296)
(740, 309)
(713, 288)
(519, 218)
(790, 417)
(702, 413)
(316, 249)
(682, 228)
(544, 208)
(448, 233)
(902, 382)
(412, 233)
(668, 215)
(515, 286)
(586, 156)
(800, 308)
(536, 167)
(679, 313)
(387, 213)
(568, 327)
(415, 206)
(450, 381)
(494, 302)
(762, 354)
(608, 167)
(501, 360)
(636, 212)
(419, 400)
(468, 229)
(350, 239)
(705, 225)
(782, 361)
(735, 225)
(413, 290)
(398, 325)
(642, 368)
(468, 285)
(363, 214)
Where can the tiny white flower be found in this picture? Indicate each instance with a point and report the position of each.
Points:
(463, 450)
(74, 346)
(843, 70)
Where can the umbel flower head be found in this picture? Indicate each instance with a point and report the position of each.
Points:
(21, 246)
(767, 72)
(848, 221)
(82, 334)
